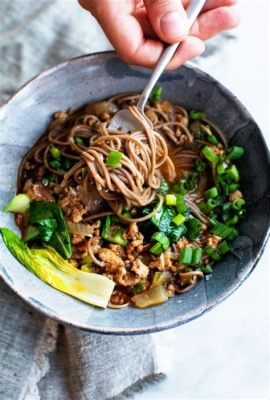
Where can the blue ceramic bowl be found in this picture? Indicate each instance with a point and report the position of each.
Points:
(71, 84)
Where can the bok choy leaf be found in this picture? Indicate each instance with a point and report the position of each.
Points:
(50, 267)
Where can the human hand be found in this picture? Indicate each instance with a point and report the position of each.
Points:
(138, 29)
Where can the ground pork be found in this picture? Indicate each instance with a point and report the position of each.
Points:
(158, 263)
(171, 290)
(37, 191)
(118, 298)
(182, 243)
(140, 268)
(95, 244)
(212, 240)
(216, 149)
(77, 238)
(117, 249)
(131, 233)
(235, 195)
(127, 278)
(72, 206)
(111, 261)
(135, 244)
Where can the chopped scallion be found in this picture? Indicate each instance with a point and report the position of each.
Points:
(234, 152)
(55, 153)
(232, 187)
(197, 114)
(207, 269)
(211, 193)
(180, 204)
(223, 247)
(161, 238)
(200, 165)
(196, 256)
(238, 203)
(191, 180)
(114, 159)
(186, 255)
(233, 234)
(213, 203)
(170, 199)
(117, 238)
(55, 164)
(79, 141)
(179, 219)
(203, 206)
(233, 173)
(221, 167)
(233, 220)
(212, 253)
(194, 227)
(156, 93)
(157, 249)
(212, 139)
(179, 187)
(221, 230)
(210, 155)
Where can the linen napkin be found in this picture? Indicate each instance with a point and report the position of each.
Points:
(38, 358)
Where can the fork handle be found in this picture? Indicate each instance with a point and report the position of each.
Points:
(192, 11)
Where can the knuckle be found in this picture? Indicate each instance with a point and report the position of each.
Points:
(128, 57)
(82, 3)
(93, 6)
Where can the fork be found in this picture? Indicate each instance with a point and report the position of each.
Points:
(123, 119)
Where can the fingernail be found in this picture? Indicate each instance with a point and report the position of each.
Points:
(173, 25)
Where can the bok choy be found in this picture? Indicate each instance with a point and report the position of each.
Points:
(50, 267)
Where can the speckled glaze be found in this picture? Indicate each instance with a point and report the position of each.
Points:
(97, 76)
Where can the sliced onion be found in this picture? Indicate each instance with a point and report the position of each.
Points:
(101, 107)
(157, 294)
(79, 228)
(91, 198)
(161, 277)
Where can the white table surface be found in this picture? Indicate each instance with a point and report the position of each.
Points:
(225, 353)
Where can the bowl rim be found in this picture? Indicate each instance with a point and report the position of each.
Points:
(151, 328)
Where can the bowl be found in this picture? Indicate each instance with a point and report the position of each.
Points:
(97, 76)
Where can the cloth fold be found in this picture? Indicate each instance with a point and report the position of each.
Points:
(38, 358)
(43, 360)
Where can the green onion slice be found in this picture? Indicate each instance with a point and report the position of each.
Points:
(200, 165)
(234, 152)
(170, 199)
(197, 115)
(210, 155)
(211, 193)
(221, 230)
(156, 93)
(186, 255)
(55, 153)
(179, 219)
(114, 159)
(79, 141)
(207, 269)
(161, 238)
(157, 249)
(196, 256)
(223, 247)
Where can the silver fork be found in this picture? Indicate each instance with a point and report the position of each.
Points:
(123, 119)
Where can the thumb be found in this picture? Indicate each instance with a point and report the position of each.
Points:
(168, 19)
